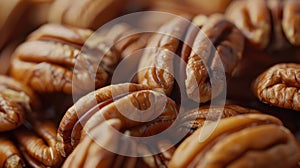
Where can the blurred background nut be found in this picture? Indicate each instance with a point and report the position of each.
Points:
(279, 86)
(218, 44)
(10, 156)
(253, 140)
(85, 13)
(37, 141)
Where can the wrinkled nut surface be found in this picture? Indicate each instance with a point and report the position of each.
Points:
(85, 13)
(38, 144)
(193, 119)
(85, 107)
(10, 156)
(156, 65)
(272, 24)
(279, 86)
(240, 141)
(46, 62)
(213, 47)
(291, 21)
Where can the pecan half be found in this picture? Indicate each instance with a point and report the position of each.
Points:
(156, 65)
(37, 142)
(10, 156)
(279, 86)
(84, 108)
(253, 140)
(85, 14)
(291, 21)
(191, 120)
(213, 48)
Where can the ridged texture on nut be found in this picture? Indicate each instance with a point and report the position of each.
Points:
(253, 140)
(84, 108)
(218, 45)
(279, 86)
(85, 13)
(10, 156)
(156, 65)
(38, 143)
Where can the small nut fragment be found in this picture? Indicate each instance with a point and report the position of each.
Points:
(156, 65)
(10, 156)
(252, 140)
(216, 44)
(291, 21)
(39, 143)
(279, 86)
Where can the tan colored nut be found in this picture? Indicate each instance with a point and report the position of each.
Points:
(10, 156)
(83, 108)
(191, 120)
(156, 65)
(279, 86)
(38, 144)
(253, 140)
(291, 21)
(252, 17)
(90, 154)
(85, 13)
(219, 44)
(47, 61)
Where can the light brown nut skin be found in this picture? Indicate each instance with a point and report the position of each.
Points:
(86, 13)
(279, 86)
(156, 65)
(228, 41)
(10, 156)
(193, 119)
(47, 61)
(84, 105)
(39, 143)
(291, 21)
(90, 154)
(12, 115)
(240, 141)
(252, 17)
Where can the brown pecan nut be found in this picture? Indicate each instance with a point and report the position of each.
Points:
(156, 65)
(10, 156)
(89, 153)
(191, 120)
(85, 13)
(279, 86)
(219, 44)
(291, 21)
(37, 141)
(252, 140)
(84, 106)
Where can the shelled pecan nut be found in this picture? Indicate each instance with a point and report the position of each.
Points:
(279, 86)
(269, 24)
(156, 65)
(37, 141)
(193, 119)
(9, 154)
(253, 140)
(91, 13)
(216, 42)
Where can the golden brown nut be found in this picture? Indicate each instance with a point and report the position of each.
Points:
(253, 140)
(291, 20)
(10, 156)
(279, 86)
(156, 66)
(85, 13)
(83, 106)
(219, 44)
(37, 142)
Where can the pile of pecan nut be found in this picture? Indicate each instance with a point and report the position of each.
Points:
(237, 82)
